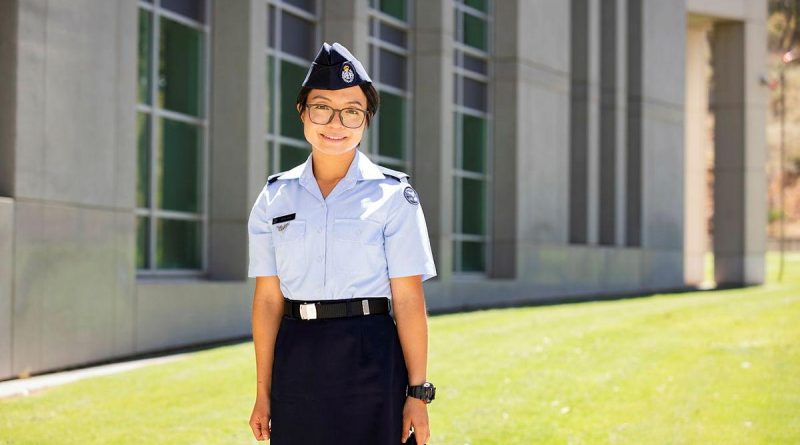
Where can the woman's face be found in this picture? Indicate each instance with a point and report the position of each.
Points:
(334, 138)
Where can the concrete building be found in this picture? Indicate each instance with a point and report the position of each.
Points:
(557, 147)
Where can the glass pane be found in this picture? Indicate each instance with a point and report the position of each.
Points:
(271, 27)
(292, 77)
(475, 93)
(475, 32)
(180, 71)
(292, 156)
(143, 160)
(456, 199)
(392, 126)
(395, 8)
(473, 201)
(178, 244)
(307, 5)
(145, 48)
(193, 9)
(473, 141)
(472, 256)
(393, 35)
(179, 166)
(270, 99)
(142, 242)
(297, 36)
(474, 64)
(477, 4)
(392, 69)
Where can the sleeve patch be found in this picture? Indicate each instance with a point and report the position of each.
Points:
(411, 195)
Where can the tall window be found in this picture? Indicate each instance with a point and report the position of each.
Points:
(171, 207)
(292, 43)
(390, 132)
(472, 118)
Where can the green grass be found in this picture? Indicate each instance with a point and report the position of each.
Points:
(719, 367)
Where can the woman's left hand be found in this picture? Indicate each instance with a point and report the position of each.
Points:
(415, 413)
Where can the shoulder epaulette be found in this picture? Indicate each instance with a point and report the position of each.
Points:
(273, 178)
(400, 176)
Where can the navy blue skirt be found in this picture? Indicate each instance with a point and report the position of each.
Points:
(338, 380)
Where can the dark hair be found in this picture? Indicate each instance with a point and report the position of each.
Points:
(373, 99)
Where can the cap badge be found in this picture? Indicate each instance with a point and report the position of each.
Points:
(347, 74)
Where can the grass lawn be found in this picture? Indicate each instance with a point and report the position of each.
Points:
(720, 367)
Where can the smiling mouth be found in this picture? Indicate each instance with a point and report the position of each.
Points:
(333, 139)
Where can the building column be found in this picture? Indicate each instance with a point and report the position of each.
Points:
(584, 143)
(660, 118)
(739, 106)
(237, 131)
(509, 114)
(432, 152)
(696, 150)
(543, 138)
(8, 119)
(347, 22)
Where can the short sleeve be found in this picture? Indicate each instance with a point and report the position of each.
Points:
(259, 235)
(406, 242)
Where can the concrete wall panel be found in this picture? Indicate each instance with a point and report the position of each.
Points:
(6, 284)
(72, 293)
(70, 80)
(174, 314)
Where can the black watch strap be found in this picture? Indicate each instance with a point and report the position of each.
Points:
(425, 392)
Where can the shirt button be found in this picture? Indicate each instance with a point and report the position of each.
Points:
(321, 257)
(319, 229)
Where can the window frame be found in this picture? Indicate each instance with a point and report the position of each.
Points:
(154, 113)
(274, 140)
(376, 17)
(459, 73)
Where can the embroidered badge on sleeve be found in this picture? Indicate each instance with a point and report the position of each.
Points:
(411, 195)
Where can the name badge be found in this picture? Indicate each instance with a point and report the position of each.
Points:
(284, 218)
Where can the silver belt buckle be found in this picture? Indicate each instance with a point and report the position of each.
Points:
(308, 311)
(365, 306)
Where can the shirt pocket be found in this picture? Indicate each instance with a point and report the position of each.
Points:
(290, 249)
(358, 246)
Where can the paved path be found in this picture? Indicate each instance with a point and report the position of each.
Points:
(23, 387)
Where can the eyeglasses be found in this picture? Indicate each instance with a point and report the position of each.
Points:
(322, 114)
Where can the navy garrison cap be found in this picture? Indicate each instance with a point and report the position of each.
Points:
(335, 68)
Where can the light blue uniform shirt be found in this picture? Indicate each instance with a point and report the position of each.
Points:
(368, 229)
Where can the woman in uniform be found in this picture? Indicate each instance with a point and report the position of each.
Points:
(339, 249)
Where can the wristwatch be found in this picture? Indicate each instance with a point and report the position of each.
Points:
(425, 392)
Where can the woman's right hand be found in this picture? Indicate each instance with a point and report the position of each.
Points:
(259, 420)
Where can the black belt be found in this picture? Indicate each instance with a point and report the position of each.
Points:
(310, 310)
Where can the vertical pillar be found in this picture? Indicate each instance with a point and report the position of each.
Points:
(696, 148)
(543, 132)
(432, 155)
(633, 120)
(347, 22)
(661, 136)
(8, 93)
(508, 120)
(237, 131)
(620, 197)
(739, 104)
(8, 105)
(611, 73)
(584, 121)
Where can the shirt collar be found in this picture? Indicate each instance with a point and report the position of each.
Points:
(361, 168)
